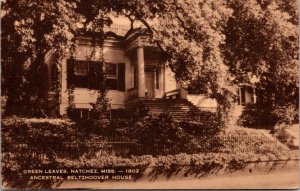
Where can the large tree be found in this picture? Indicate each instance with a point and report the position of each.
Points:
(262, 48)
(30, 30)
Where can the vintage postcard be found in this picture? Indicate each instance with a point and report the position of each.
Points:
(169, 94)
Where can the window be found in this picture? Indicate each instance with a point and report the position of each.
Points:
(111, 70)
(115, 76)
(111, 76)
(80, 114)
(88, 74)
(84, 74)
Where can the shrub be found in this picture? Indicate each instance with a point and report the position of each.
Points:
(163, 164)
(32, 143)
(161, 135)
(102, 106)
(40, 141)
(140, 111)
(38, 134)
(263, 115)
(258, 115)
(288, 114)
(164, 135)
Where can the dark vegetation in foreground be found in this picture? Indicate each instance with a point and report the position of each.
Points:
(268, 115)
(139, 141)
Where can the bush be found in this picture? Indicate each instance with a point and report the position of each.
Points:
(164, 135)
(262, 115)
(32, 144)
(257, 116)
(40, 135)
(161, 135)
(288, 114)
(39, 143)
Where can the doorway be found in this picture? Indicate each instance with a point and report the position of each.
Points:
(149, 83)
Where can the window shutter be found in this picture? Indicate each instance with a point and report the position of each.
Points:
(121, 77)
(70, 72)
(91, 75)
(95, 75)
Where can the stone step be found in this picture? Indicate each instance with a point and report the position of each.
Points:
(180, 109)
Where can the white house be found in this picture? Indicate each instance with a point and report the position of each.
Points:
(134, 70)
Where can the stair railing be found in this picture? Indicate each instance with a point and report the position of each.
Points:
(174, 94)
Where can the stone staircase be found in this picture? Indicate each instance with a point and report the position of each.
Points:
(180, 109)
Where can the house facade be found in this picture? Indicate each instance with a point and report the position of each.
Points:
(134, 69)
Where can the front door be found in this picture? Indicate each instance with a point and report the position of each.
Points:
(149, 84)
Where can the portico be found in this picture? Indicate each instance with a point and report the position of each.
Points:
(147, 68)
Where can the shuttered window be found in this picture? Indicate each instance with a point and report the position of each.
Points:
(115, 76)
(88, 74)
(84, 74)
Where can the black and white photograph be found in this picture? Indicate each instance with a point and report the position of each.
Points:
(149, 94)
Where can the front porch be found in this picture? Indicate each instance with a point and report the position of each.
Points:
(148, 75)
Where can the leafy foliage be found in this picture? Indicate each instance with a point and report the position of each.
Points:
(261, 48)
(101, 109)
(164, 135)
(33, 30)
(288, 114)
(258, 116)
(43, 147)
(211, 46)
(266, 116)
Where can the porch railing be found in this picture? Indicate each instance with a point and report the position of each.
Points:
(172, 94)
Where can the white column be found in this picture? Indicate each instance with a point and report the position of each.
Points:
(141, 71)
(64, 93)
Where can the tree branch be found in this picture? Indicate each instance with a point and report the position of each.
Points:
(152, 31)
